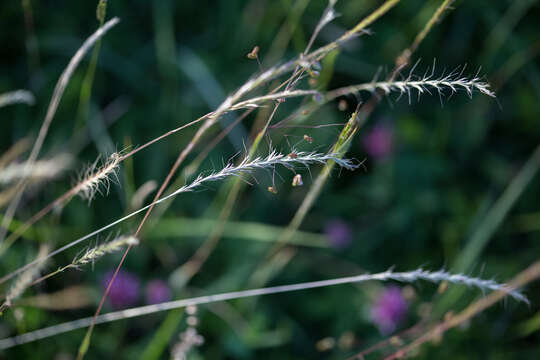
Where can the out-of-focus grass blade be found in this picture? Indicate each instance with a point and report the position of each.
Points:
(490, 223)
(163, 335)
(185, 227)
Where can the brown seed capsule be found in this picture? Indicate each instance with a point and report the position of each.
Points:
(308, 138)
(293, 155)
(305, 112)
(442, 287)
(254, 53)
(272, 190)
(342, 105)
(297, 180)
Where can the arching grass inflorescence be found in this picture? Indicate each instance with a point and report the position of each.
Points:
(97, 178)
(247, 165)
(452, 82)
(408, 277)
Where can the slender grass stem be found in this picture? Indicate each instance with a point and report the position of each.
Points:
(406, 277)
(51, 111)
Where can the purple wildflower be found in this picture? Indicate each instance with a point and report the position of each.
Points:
(125, 289)
(379, 142)
(339, 234)
(157, 292)
(389, 309)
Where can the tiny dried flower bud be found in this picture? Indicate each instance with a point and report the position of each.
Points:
(305, 112)
(293, 155)
(297, 180)
(254, 54)
(442, 287)
(272, 189)
(342, 105)
(101, 10)
(308, 138)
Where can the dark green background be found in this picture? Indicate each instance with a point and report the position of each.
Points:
(418, 208)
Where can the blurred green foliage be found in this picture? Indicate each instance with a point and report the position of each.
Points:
(169, 62)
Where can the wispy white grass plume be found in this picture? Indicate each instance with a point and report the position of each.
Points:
(92, 254)
(96, 179)
(40, 170)
(246, 166)
(17, 97)
(409, 277)
(453, 82)
(273, 159)
(441, 275)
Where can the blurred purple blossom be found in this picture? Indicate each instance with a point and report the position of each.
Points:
(125, 289)
(379, 142)
(339, 233)
(389, 309)
(157, 291)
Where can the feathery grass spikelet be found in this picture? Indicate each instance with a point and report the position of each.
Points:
(409, 277)
(92, 254)
(273, 159)
(454, 82)
(441, 275)
(40, 170)
(97, 177)
(246, 166)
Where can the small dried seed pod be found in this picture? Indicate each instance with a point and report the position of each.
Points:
(254, 54)
(297, 180)
(342, 105)
(293, 155)
(308, 138)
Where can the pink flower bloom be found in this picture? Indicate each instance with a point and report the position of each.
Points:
(389, 309)
(379, 142)
(157, 291)
(125, 289)
(339, 234)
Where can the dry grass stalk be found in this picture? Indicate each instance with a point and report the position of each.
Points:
(501, 290)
